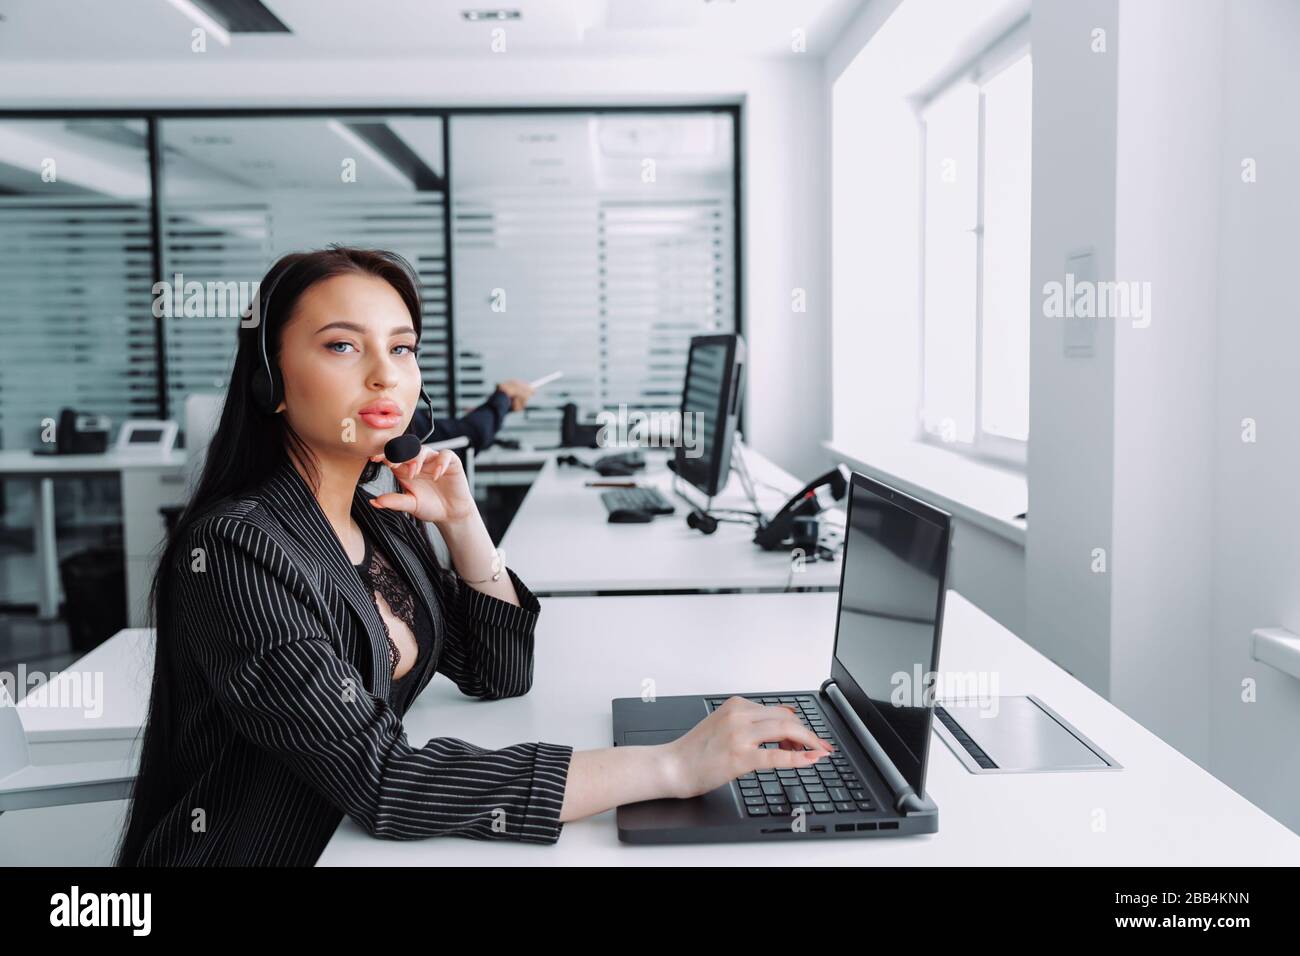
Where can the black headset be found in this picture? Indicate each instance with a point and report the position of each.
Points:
(702, 521)
(268, 390)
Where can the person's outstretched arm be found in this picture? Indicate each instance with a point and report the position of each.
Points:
(482, 423)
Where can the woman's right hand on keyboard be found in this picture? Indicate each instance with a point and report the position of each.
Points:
(728, 743)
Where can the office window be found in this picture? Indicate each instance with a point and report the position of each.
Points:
(76, 268)
(595, 244)
(238, 193)
(975, 259)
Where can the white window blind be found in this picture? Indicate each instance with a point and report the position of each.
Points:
(293, 196)
(409, 224)
(230, 241)
(76, 271)
(75, 315)
(208, 240)
(594, 244)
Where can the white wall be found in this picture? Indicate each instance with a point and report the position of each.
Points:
(1143, 444)
(1071, 464)
(1254, 747)
(1168, 165)
(874, 172)
(788, 401)
(989, 571)
(784, 239)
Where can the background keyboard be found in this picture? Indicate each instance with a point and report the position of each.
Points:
(636, 499)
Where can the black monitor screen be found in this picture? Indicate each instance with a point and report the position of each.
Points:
(708, 374)
(888, 631)
(709, 399)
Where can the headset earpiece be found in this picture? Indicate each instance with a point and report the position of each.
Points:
(266, 392)
(267, 389)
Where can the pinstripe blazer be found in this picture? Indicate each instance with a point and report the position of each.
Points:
(282, 674)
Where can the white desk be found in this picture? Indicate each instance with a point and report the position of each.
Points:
(95, 709)
(499, 466)
(149, 481)
(562, 543)
(1161, 809)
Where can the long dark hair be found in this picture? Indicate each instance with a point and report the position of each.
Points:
(246, 449)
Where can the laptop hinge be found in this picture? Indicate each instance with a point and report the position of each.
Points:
(906, 800)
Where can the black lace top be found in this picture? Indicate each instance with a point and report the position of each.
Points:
(379, 575)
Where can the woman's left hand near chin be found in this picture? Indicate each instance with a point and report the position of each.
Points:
(434, 487)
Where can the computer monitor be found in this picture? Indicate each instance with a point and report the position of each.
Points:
(892, 590)
(710, 407)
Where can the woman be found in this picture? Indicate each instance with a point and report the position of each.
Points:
(297, 616)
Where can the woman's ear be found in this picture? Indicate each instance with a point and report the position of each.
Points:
(280, 408)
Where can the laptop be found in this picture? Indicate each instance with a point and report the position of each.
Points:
(875, 708)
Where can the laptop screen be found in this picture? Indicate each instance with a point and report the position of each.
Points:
(891, 604)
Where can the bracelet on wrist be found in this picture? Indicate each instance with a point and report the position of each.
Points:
(498, 567)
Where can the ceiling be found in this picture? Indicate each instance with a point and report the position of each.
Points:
(126, 30)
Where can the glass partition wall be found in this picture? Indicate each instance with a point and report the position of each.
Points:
(594, 242)
(239, 193)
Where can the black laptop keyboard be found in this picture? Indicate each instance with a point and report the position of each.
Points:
(831, 785)
(637, 499)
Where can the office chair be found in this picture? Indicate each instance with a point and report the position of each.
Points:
(202, 415)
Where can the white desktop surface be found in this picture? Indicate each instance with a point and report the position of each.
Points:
(122, 667)
(1161, 809)
(14, 462)
(561, 542)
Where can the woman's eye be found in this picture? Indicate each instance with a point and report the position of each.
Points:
(339, 347)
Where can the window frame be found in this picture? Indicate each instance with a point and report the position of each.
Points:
(1004, 52)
